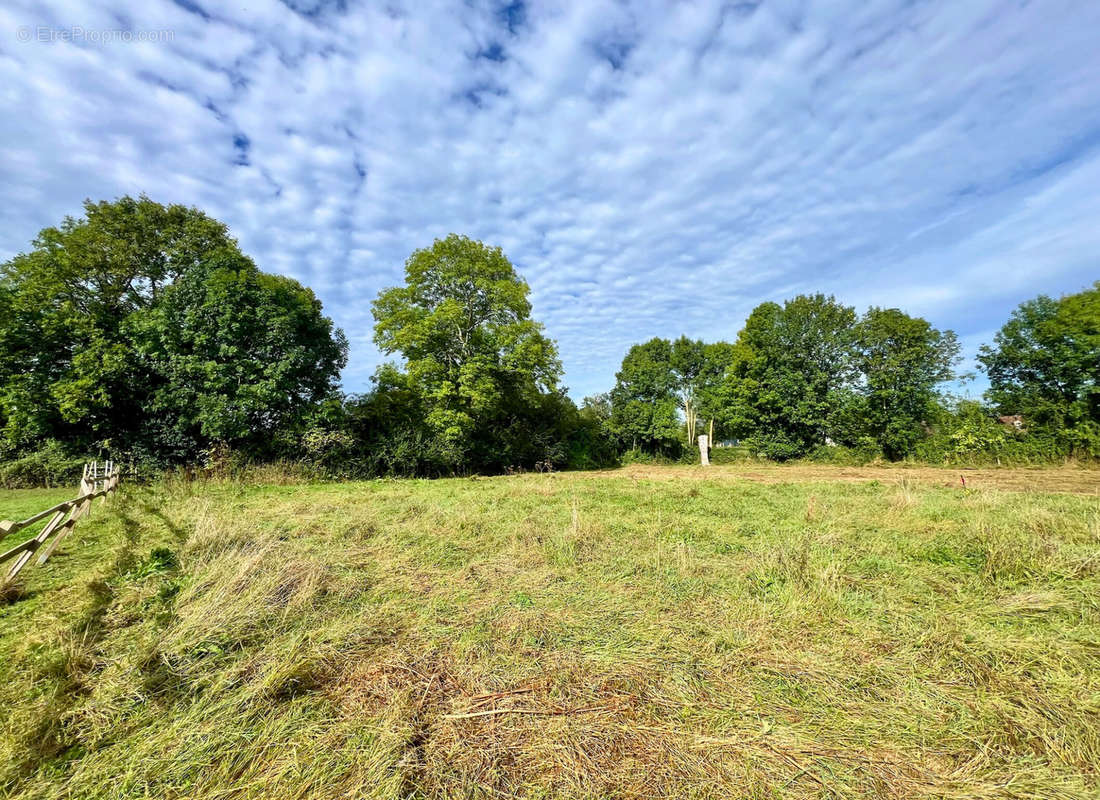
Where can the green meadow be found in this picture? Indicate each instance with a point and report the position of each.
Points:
(665, 632)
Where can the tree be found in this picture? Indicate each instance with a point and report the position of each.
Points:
(237, 354)
(717, 360)
(473, 355)
(657, 381)
(96, 325)
(644, 401)
(902, 359)
(687, 359)
(592, 442)
(597, 407)
(66, 369)
(791, 368)
(1045, 361)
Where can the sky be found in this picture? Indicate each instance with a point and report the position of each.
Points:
(651, 168)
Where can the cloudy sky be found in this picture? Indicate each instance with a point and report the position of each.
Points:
(650, 168)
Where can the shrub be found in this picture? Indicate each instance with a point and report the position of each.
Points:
(50, 465)
(864, 451)
(729, 455)
(774, 447)
(638, 456)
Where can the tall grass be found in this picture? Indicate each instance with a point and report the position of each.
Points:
(572, 635)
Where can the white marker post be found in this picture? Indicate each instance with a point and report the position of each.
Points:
(704, 455)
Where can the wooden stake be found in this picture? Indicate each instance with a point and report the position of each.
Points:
(37, 542)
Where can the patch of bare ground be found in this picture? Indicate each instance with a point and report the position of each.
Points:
(1068, 480)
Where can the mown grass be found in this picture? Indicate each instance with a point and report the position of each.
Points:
(20, 504)
(17, 504)
(572, 635)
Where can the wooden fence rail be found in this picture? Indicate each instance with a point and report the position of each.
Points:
(99, 480)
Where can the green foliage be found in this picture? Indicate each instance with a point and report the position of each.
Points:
(67, 369)
(902, 360)
(49, 465)
(591, 443)
(658, 381)
(1045, 362)
(792, 368)
(864, 451)
(968, 433)
(238, 354)
(141, 328)
(800, 375)
(975, 433)
(478, 370)
(643, 401)
(738, 454)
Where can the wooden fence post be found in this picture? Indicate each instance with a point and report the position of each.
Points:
(86, 487)
(90, 488)
(70, 523)
(35, 543)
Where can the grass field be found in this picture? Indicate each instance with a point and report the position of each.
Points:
(23, 503)
(765, 632)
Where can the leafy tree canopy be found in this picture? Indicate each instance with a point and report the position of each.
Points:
(902, 359)
(238, 353)
(83, 361)
(1045, 362)
(658, 381)
(792, 368)
(472, 354)
(65, 368)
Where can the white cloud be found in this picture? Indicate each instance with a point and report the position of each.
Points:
(651, 170)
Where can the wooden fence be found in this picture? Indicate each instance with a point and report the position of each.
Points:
(99, 480)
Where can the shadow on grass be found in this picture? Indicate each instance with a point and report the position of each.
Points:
(70, 669)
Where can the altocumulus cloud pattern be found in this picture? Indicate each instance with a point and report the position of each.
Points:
(651, 168)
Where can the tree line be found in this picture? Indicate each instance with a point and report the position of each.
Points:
(801, 375)
(142, 330)
(811, 378)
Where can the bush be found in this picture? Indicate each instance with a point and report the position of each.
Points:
(864, 451)
(639, 456)
(51, 465)
(590, 446)
(718, 455)
(730, 455)
(329, 452)
(970, 435)
(774, 447)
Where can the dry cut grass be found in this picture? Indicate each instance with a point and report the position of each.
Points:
(636, 634)
(1069, 479)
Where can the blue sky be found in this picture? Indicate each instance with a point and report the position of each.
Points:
(650, 168)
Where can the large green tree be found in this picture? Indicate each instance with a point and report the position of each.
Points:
(481, 368)
(66, 369)
(1044, 363)
(661, 380)
(902, 360)
(70, 368)
(644, 405)
(237, 354)
(792, 369)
